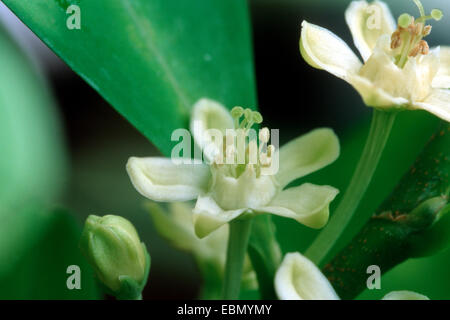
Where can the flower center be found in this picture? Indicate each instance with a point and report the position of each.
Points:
(237, 180)
(407, 41)
(240, 146)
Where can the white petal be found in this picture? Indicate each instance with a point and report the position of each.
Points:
(177, 226)
(307, 204)
(159, 179)
(374, 96)
(210, 118)
(438, 103)
(247, 191)
(322, 49)
(298, 278)
(381, 83)
(404, 295)
(367, 22)
(442, 79)
(306, 154)
(208, 216)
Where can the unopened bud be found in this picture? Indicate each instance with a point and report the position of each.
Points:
(120, 260)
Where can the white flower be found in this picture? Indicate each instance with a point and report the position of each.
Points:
(298, 278)
(404, 295)
(399, 70)
(226, 191)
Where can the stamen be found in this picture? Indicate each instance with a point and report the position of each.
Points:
(408, 37)
(424, 48)
(414, 52)
(252, 152)
(264, 135)
(426, 30)
(236, 114)
(234, 160)
(396, 41)
(257, 117)
(266, 158)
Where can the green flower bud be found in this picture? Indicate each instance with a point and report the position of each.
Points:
(121, 261)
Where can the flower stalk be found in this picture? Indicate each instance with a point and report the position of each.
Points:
(382, 122)
(237, 249)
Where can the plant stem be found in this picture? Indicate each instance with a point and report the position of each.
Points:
(380, 129)
(237, 249)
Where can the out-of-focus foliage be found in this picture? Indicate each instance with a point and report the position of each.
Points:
(30, 137)
(51, 240)
(36, 244)
(152, 60)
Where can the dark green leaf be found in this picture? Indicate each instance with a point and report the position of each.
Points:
(412, 222)
(152, 59)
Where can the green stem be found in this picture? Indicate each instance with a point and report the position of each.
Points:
(237, 249)
(380, 129)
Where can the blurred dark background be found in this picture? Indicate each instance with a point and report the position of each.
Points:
(292, 96)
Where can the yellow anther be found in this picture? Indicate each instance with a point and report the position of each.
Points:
(396, 40)
(426, 30)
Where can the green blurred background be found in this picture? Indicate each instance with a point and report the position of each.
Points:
(71, 149)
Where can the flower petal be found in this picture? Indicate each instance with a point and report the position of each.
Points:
(307, 204)
(322, 49)
(382, 84)
(374, 96)
(438, 103)
(177, 226)
(159, 179)
(442, 79)
(367, 22)
(404, 295)
(208, 216)
(298, 278)
(306, 154)
(208, 118)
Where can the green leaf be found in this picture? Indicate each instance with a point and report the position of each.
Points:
(152, 60)
(41, 271)
(412, 222)
(33, 164)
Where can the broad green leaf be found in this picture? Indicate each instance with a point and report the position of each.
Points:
(32, 162)
(152, 59)
(40, 272)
